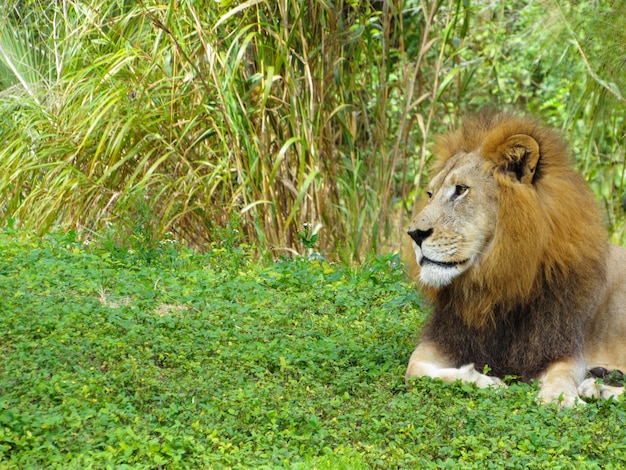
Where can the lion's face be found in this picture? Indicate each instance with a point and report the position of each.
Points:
(453, 232)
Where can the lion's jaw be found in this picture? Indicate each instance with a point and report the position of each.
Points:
(437, 273)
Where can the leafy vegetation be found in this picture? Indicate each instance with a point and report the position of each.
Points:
(212, 360)
(308, 121)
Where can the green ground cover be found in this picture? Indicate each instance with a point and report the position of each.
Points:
(214, 361)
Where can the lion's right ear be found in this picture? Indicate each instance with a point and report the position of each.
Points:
(520, 155)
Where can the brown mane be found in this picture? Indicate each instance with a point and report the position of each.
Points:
(526, 303)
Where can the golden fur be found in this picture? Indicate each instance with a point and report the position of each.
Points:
(514, 259)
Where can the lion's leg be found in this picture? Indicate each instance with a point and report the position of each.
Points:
(590, 388)
(428, 361)
(559, 382)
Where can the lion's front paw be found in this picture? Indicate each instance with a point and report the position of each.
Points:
(569, 401)
(481, 380)
(562, 400)
(591, 388)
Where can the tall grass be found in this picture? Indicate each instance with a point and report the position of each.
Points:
(300, 118)
(302, 124)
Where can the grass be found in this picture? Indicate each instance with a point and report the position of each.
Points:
(114, 360)
(289, 114)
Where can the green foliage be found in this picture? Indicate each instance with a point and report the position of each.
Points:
(215, 361)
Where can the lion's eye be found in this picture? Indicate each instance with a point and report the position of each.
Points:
(429, 194)
(459, 190)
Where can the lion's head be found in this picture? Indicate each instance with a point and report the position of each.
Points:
(452, 232)
(506, 215)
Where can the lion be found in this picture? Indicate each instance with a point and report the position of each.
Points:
(511, 250)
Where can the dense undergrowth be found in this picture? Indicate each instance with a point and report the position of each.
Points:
(111, 359)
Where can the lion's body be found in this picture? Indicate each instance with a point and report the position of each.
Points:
(511, 250)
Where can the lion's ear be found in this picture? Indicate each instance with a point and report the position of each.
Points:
(520, 153)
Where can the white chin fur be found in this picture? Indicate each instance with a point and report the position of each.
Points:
(438, 276)
(433, 275)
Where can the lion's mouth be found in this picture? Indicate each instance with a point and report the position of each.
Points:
(443, 264)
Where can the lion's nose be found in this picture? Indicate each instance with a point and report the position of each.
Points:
(419, 236)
